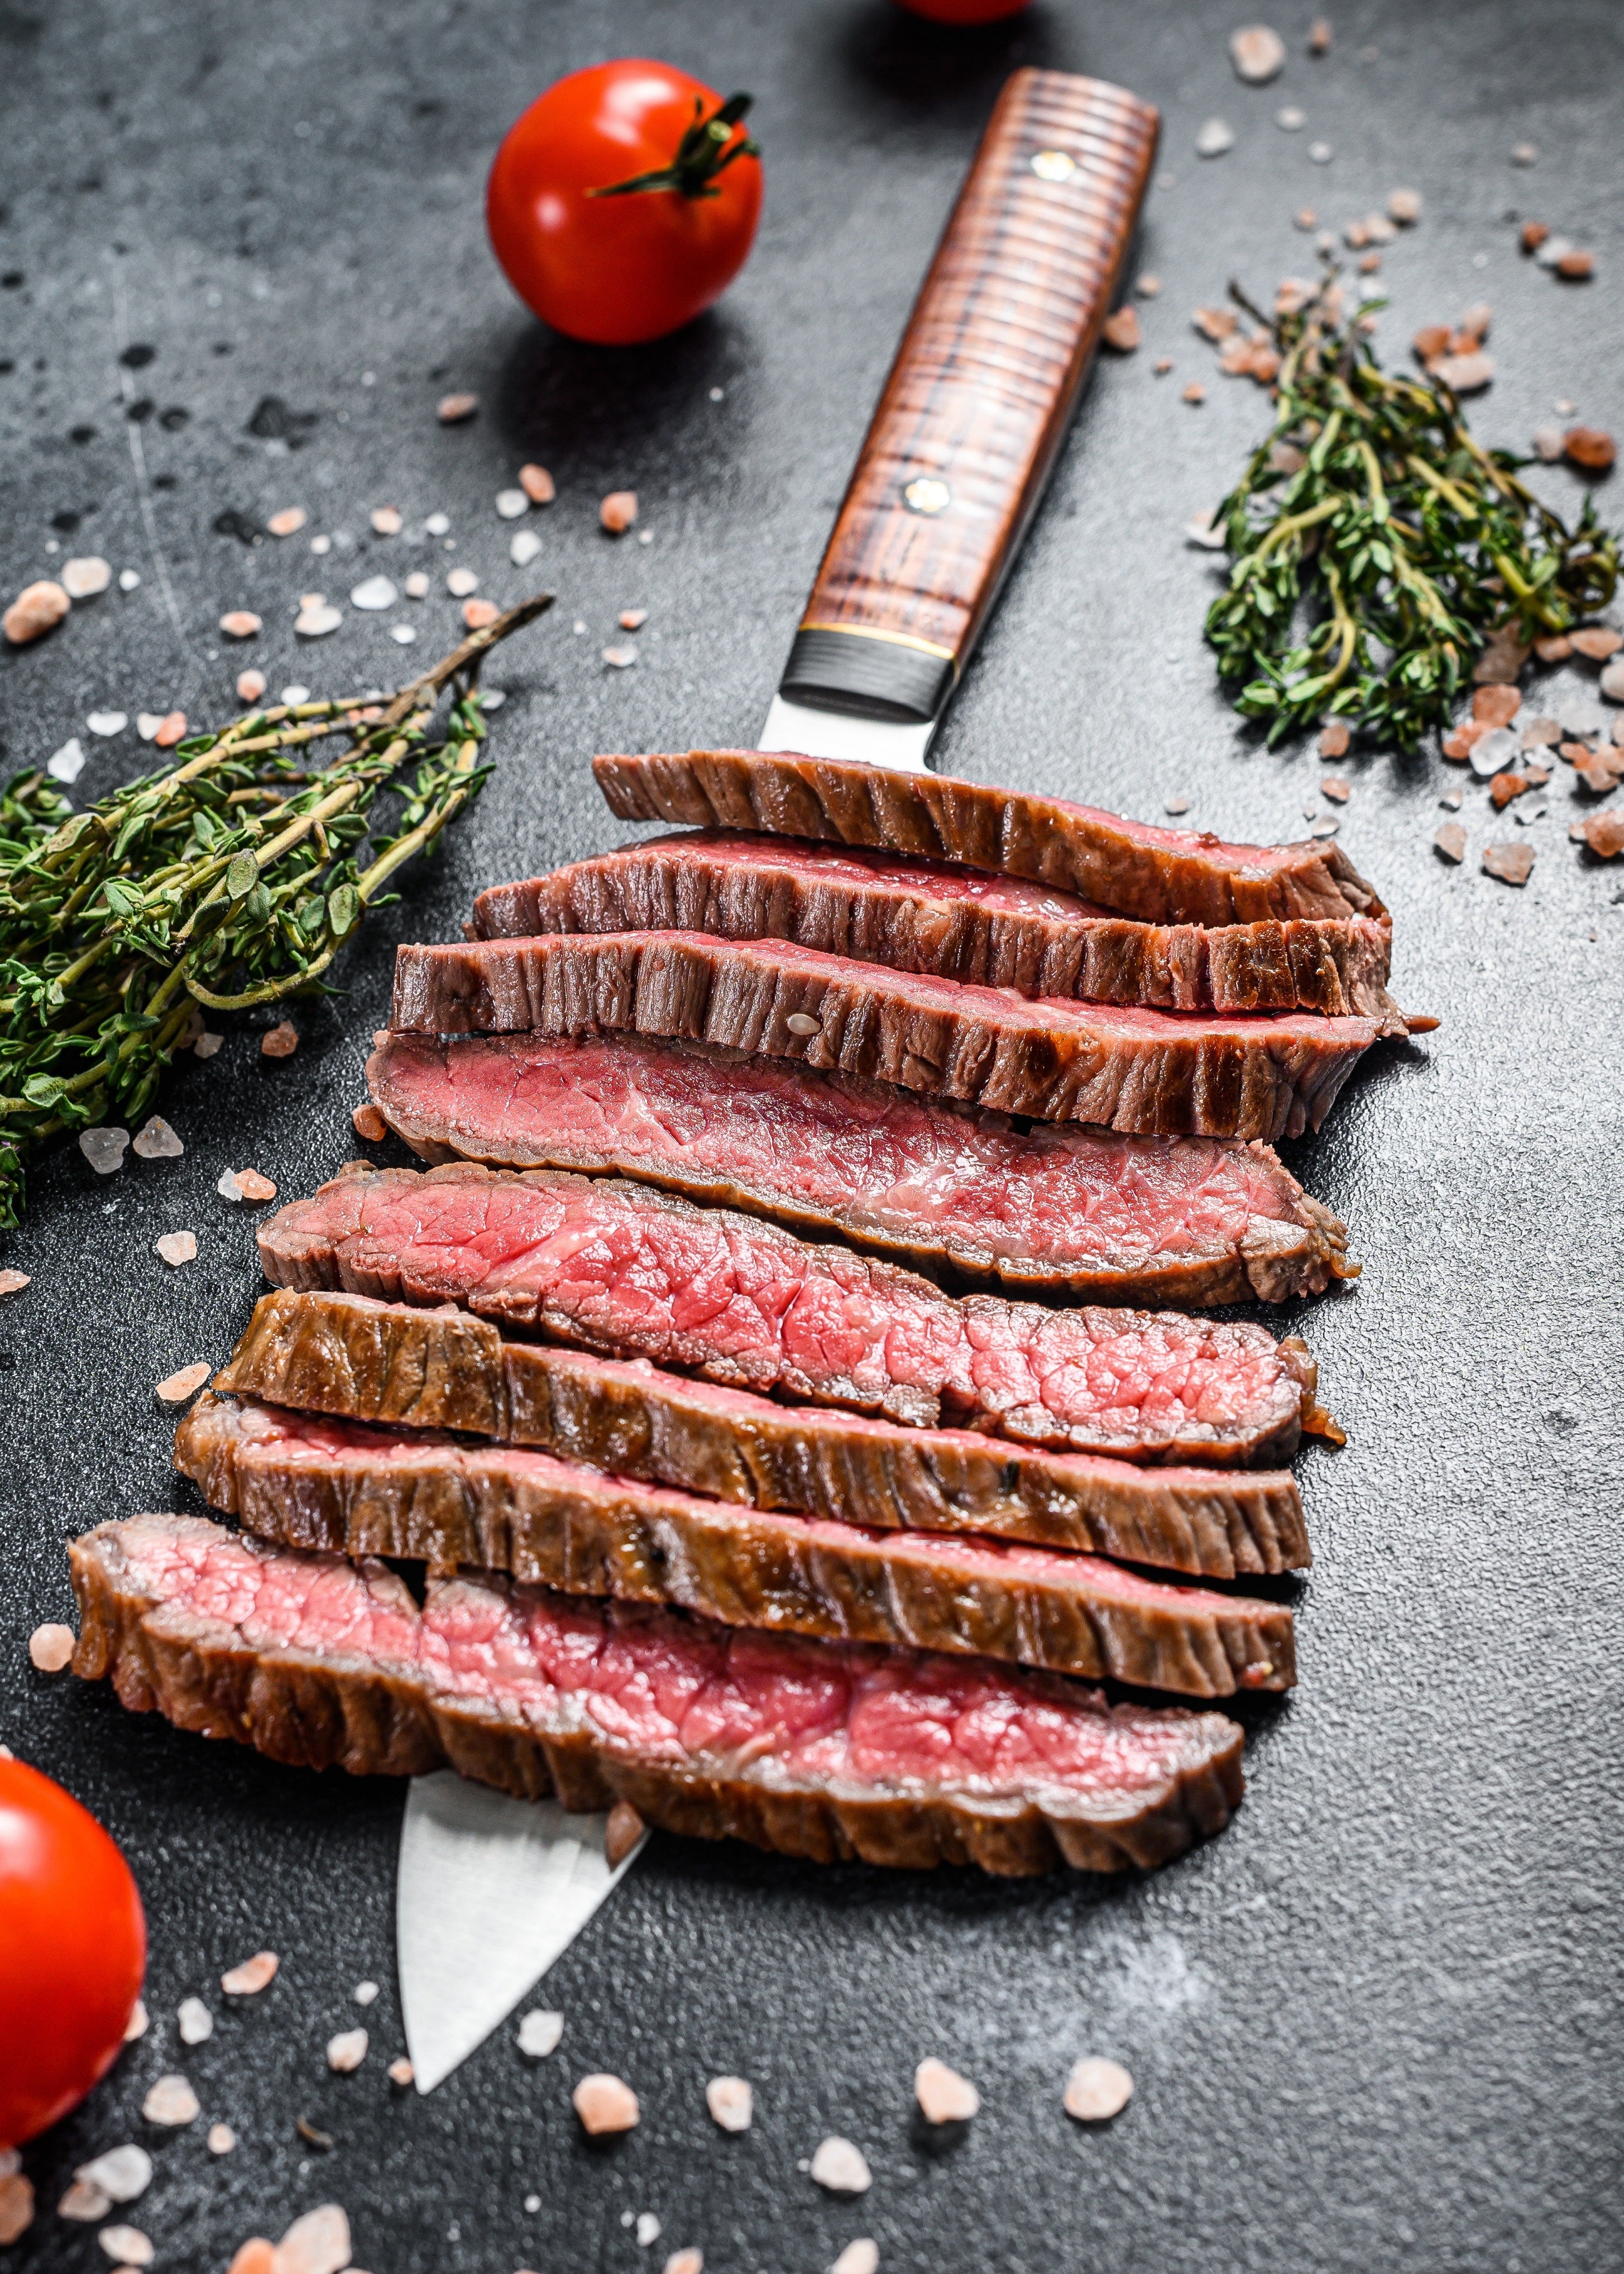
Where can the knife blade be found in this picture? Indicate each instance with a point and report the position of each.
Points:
(491, 1890)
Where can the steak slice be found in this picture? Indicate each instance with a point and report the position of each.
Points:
(635, 1273)
(1144, 1072)
(826, 1750)
(351, 1356)
(953, 922)
(339, 1485)
(1160, 875)
(1061, 1210)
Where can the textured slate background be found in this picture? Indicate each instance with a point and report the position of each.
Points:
(1377, 2022)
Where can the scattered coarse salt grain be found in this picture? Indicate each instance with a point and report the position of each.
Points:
(1336, 789)
(365, 1993)
(320, 545)
(1257, 53)
(253, 1976)
(207, 1044)
(401, 2072)
(477, 614)
(685, 2262)
(731, 2102)
(126, 2245)
(254, 2256)
(860, 2257)
(84, 2203)
(511, 503)
(403, 635)
(67, 764)
(538, 2034)
(1576, 266)
(12, 1283)
(318, 2243)
(417, 585)
(451, 410)
(104, 1148)
(155, 1140)
(1319, 154)
(281, 1042)
(1319, 36)
(1525, 153)
(84, 578)
(50, 1648)
(1604, 833)
(129, 580)
(239, 623)
(1121, 331)
(1215, 324)
(1195, 392)
(37, 609)
(1465, 374)
(632, 620)
(347, 2051)
(194, 2022)
(1201, 530)
(604, 2104)
(386, 519)
(619, 511)
(1612, 685)
(316, 617)
(222, 2139)
(1333, 739)
(648, 2229)
(943, 2095)
(461, 581)
(136, 2025)
(1213, 137)
(1290, 118)
(107, 722)
(176, 1248)
(1177, 805)
(1597, 642)
(369, 1123)
(1307, 218)
(841, 2167)
(250, 1186)
(1163, 365)
(802, 1022)
(1096, 2090)
(1547, 445)
(16, 2204)
(171, 2101)
(619, 658)
(523, 547)
(250, 686)
(1513, 864)
(289, 522)
(1590, 447)
(375, 592)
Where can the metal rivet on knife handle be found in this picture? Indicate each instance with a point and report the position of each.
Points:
(978, 400)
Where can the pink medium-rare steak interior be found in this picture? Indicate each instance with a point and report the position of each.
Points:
(951, 923)
(638, 1273)
(1140, 1071)
(1160, 875)
(653, 1687)
(1186, 1219)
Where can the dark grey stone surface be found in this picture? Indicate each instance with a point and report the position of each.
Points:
(1376, 2022)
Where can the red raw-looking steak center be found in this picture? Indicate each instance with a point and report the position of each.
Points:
(819, 1750)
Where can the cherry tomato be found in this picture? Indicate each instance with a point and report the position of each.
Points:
(624, 201)
(72, 1952)
(964, 12)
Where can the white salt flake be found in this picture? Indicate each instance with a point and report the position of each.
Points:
(85, 2203)
(321, 545)
(461, 582)
(107, 722)
(347, 2051)
(84, 578)
(492, 698)
(943, 2095)
(621, 658)
(129, 580)
(207, 1044)
(194, 2022)
(1494, 751)
(539, 2033)
(648, 2229)
(1320, 152)
(104, 1148)
(294, 695)
(386, 519)
(417, 586)
(317, 618)
(731, 2102)
(68, 764)
(1257, 53)
(1096, 2090)
(1215, 137)
(437, 524)
(171, 2101)
(532, 2203)
(860, 2257)
(253, 1976)
(176, 1248)
(222, 2139)
(841, 2167)
(1289, 119)
(148, 723)
(524, 547)
(376, 593)
(126, 2245)
(403, 635)
(511, 503)
(155, 1140)
(136, 2025)
(318, 2243)
(364, 1992)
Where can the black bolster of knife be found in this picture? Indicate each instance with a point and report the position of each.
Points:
(875, 678)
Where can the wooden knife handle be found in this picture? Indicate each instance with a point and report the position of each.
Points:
(978, 400)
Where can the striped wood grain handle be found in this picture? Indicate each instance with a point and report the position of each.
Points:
(979, 397)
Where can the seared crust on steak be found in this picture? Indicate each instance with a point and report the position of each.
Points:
(1174, 1220)
(341, 1486)
(953, 922)
(320, 1665)
(1158, 876)
(388, 1363)
(1144, 1073)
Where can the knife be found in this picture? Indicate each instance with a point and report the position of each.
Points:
(974, 413)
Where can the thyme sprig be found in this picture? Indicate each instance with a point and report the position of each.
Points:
(1377, 547)
(230, 879)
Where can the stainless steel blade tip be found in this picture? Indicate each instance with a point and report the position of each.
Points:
(839, 735)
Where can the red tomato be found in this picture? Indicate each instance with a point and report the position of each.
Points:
(964, 12)
(616, 269)
(72, 1952)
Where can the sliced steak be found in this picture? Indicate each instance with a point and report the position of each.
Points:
(1144, 1073)
(1068, 1210)
(635, 1273)
(351, 1356)
(953, 922)
(303, 1482)
(827, 1751)
(1160, 875)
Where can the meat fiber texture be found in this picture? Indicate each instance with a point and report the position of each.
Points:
(1158, 876)
(1144, 1072)
(1185, 1220)
(820, 1749)
(306, 1482)
(953, 922)
(358, 1359)
(635, 1273)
